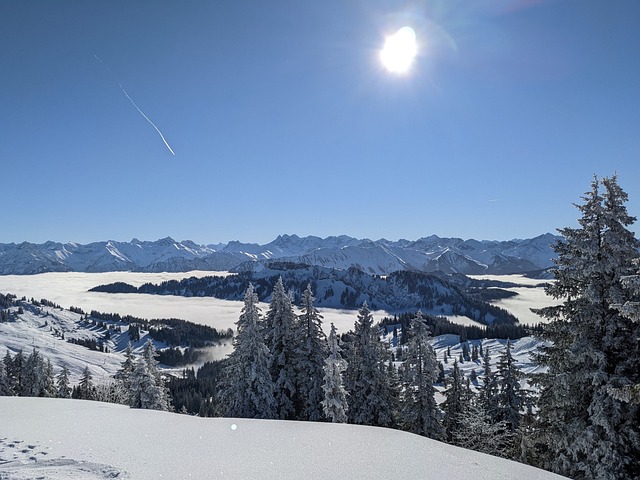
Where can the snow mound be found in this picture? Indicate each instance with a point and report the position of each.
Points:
(113, 441)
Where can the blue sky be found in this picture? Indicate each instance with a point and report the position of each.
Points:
(283, 120)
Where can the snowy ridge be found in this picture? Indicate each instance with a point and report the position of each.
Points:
(381, 257)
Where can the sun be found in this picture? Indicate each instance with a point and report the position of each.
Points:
(399, 51)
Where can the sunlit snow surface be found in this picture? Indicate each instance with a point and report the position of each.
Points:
(60, 439)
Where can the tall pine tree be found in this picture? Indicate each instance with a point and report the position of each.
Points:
(368, 383)
(279, 330)
(335, 405)
(63, 388)
(5, 383)
(510, 398)
(584, 432)
(419, 409)
(246, 387)
(147, 388)
(454, 404)
(630, 309)
(309, 360)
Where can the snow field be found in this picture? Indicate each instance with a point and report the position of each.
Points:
(88, 440)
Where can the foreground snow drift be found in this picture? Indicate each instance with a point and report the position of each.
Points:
(56, 439)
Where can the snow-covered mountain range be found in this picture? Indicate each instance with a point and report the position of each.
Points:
(381, 257)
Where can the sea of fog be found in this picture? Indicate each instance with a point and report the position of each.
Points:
(72, 289)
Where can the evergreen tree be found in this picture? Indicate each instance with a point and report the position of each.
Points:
(368, 382)
(127, 367)
(334, 404)
(510, 399)
(147, 386)
(247, 387)
(63, 389)
(631, 310)
(309, 360)
(5, 384)
(34, 375)
(279, 331)
(419, 409)
(488, 394)
(15, 371)
(453, 404)
(49, 389)
(584, 432)
(6, 380)
(86, 387)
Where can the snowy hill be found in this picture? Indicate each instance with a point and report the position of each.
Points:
(381, 257)
(59, 439)
(77, 341)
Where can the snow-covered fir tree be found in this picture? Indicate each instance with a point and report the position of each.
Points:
(15, 371)
(5, 383)
(309, 360)
(631, 310)
(279, 328)
(488, 393)
(127, 367)
(583, 430)
(63, 386)
(85, 390)
(147, 386)
(453, 405)
(49, 389)
(367, 379)
(246, 387)
(510, 398)
(335, 404)
(34, 376)
(419, 409)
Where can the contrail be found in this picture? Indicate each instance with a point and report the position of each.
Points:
(134, 104)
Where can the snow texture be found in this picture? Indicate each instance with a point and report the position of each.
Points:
(60, 439)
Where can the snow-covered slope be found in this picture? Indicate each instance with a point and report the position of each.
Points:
(450, 255)
(59, 439)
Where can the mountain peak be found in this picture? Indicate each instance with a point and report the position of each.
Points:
(381, 257)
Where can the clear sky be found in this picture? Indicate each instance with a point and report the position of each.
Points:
(283, 120)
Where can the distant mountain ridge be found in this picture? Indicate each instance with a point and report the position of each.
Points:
(379, 257)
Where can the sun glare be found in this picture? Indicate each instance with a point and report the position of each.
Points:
(399, 51)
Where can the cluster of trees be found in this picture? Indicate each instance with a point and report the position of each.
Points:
(138, 384)
(172, 331)
(90, 343)
(443, 326)
(195, 392)
(7, 300)
(27, 376)
(283, 367)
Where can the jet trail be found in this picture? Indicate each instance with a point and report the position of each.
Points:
(134, 104)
